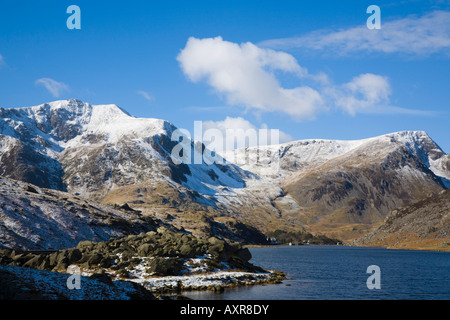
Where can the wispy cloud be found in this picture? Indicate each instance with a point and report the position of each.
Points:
(412, 35)
(395, 110)
(54, 87)
(361, 93)
(147, 96)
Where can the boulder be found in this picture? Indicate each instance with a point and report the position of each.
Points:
(85, 245)
(166, 266)
(63, 263)
(188, 251)
(145, 250)
(102, 277)
(21, 258)
(244, 254)
(91, 259)
(216, 246)
(74, 255)
(151, 235)
(5, 256)
(53, 259)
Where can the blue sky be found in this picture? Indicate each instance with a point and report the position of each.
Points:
(319, 71)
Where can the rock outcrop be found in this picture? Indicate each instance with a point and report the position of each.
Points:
(164, 250)
(146, 259)
(423, 225)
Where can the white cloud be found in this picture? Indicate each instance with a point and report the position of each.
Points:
(239, 123)
(244, 74)
(368, 94)
(412, 35)
(146, 95)
(363, 92)
(2, 60)
(54, 87)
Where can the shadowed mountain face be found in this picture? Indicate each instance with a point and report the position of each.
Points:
(23, 162)
(424, 224)
(340, 188)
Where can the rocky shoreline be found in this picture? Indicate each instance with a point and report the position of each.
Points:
(214, 281)
(160, 261)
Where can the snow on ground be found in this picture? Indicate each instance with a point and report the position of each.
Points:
(194, 276)
(200, 281)
(53, 285)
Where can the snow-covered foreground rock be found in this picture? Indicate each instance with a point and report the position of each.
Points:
(18, 283)
(161, 261)
(211, 281)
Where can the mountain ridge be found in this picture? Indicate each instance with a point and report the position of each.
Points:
(342, 188)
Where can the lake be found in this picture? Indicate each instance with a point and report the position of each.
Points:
(340, 272)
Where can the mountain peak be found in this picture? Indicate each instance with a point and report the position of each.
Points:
(77, 108)
(67, 120)
(411, 134)
(419, 143)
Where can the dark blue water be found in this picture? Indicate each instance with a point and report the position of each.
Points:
(337, 272)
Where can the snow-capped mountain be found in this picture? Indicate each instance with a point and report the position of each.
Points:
(75, 146)
(344, 188)
(304, 155)
(100, 152)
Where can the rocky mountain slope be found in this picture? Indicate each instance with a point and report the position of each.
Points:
(424, 224)
(342, 189)
(34, 218)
